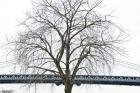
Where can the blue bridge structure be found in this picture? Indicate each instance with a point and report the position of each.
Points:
(78, 80)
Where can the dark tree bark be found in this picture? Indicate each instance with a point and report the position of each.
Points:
(68, 86)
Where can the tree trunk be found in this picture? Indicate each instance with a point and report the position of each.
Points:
(68, 86)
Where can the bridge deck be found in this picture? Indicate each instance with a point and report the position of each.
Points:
(79, 79)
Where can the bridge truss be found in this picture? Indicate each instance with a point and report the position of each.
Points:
(79, 79)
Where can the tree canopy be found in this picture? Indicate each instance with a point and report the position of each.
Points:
(67, 37)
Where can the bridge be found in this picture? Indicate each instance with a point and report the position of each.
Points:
(79, 79)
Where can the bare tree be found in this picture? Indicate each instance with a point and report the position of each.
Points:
(67, 37)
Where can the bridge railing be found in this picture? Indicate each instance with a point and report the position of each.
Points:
(79, 79)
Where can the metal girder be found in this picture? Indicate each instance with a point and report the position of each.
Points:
(78, 80)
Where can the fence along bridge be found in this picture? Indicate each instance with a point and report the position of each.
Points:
(79, 79)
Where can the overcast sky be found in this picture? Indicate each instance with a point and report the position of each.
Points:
(127, 13)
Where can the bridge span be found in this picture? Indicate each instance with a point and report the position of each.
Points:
(79, 79)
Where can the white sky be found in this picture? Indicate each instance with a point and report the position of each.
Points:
(127, 13)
